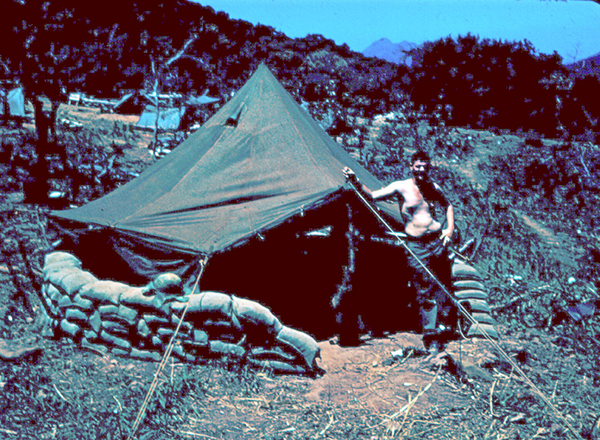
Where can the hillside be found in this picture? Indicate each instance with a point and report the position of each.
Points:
(588, 66)
(184, 47)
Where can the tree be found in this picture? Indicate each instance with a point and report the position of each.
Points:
(483, 83)
(580, 111)
(160, 73)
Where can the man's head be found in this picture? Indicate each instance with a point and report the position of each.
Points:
(420, 162)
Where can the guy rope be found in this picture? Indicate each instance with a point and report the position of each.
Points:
(165, 358)
(466, 313)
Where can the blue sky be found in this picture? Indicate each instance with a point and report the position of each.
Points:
(571, 27)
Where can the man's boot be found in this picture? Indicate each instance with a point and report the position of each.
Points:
(428, 314)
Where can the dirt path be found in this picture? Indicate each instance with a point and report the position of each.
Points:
(386, 375)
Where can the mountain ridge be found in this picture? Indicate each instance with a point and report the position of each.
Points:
(392, 52)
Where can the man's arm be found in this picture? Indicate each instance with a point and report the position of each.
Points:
(387, 191)
(447, 232)
(373, 195)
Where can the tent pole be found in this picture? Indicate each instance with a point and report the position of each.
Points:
(349, 267)
(343, 294)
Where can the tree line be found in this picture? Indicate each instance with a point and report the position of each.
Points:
(503, 85)
(59, 46)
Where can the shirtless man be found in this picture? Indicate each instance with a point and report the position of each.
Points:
(427, 238)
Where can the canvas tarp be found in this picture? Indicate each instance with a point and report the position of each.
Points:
(261, 159)
(15, 100)
(199, 101)
(169, 118)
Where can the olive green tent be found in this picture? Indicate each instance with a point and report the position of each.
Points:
(258, 162)
(259, 187)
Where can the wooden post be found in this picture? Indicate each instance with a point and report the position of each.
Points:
(344, 301)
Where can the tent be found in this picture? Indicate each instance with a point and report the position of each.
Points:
(169, 118)
(15, 100)
(199, 101)
(256, 186)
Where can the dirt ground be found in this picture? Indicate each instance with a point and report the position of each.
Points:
(387, 387)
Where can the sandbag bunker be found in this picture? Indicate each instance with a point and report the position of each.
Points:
(139, 322)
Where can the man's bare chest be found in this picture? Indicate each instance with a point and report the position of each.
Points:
(413, 202)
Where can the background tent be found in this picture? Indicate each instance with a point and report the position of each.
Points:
(202, 100)
(168, 118)
(260, 172)
(15, 100)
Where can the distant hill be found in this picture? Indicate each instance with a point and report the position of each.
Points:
(587, 66)
(392, 52)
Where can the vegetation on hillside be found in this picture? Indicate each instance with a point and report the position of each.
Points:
(63, 46)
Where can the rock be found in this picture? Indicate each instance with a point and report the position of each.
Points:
(13, 350)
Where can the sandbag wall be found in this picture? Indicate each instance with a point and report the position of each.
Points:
(139, 322)
(470, 292)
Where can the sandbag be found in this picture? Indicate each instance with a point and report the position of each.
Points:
(200, 337)
(134, 297)
(115, 328)
(52, 292)
(468, 284)
(155, 320)
(69, 327)
(301, 343)
(272, 353)
(99, 348)
(277, 366)
(64, 301)
(76, 315)
(166, 282)
(143, 329)
(58, 262)
(482, 329)
(470, 294)
(146, 355)
(114, 340)
(61, 257)
(475, 305)
(108, 310)
(252, 314)
(217, 305)
(127, 314)
(462, 270)
(223, 348)
(75, 280)
(112, 317)
(104, 291)
(81, 303)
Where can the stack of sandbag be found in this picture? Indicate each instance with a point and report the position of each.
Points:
(469, 290)
(140, 322)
